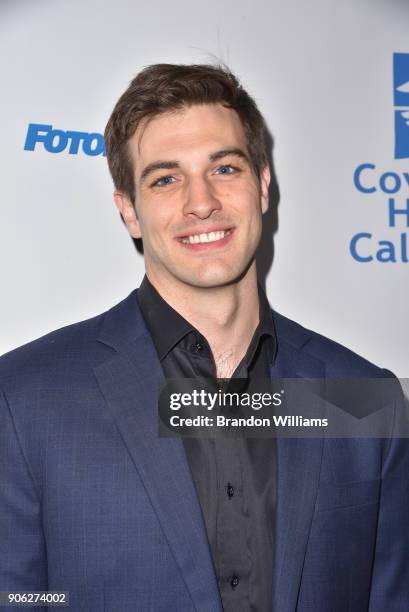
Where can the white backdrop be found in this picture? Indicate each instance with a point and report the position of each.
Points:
(322, 74)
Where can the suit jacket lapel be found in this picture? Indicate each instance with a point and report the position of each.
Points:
(130, 381)
(298, 470)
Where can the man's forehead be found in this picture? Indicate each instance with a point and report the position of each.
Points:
(208, 125)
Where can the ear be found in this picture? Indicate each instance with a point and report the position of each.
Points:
(265, 177)
(127, 210)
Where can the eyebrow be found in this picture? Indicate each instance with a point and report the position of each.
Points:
(172, 164)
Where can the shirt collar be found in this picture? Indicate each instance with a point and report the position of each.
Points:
(168, 327)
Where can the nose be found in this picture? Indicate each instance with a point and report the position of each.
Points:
(200, 199)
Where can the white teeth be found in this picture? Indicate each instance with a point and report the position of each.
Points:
(201, 238)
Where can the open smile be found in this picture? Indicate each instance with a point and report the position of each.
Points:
(203, 240)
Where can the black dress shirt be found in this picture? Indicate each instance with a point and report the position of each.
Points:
(235, 479)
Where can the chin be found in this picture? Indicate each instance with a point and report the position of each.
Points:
(213, 276)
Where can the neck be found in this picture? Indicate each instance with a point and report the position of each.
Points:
(226, 316)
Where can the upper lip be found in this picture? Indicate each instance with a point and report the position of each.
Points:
(207, 230)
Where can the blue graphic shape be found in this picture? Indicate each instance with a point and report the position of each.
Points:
(401, 99)
(401, 79)
(402, 133)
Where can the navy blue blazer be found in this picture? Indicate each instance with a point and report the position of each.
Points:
(93, 502)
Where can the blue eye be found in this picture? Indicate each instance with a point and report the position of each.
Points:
(227, 169)
(163, 181)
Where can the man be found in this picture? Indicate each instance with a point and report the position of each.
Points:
(94, 502)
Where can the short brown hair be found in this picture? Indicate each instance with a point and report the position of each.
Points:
(165, 87)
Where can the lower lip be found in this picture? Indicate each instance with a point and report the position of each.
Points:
(207, 246)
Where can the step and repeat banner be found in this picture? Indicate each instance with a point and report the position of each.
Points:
(331, 79)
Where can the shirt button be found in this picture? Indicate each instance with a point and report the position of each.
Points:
(230, 490)
(198, 347)
(234, 582)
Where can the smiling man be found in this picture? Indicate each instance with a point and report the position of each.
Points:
(198, 199)
(93, 501)
(198, 207)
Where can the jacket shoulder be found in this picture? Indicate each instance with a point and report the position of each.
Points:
(64, 348)
(338, 359)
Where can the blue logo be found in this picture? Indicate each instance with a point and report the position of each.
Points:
(57, 141)
(401, 100)
(392, 185)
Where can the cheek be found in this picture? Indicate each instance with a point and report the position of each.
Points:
(155, 225)
(248, 205)
(238, 190)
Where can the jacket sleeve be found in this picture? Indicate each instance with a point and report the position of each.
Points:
(23, 562)
(390, 577)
